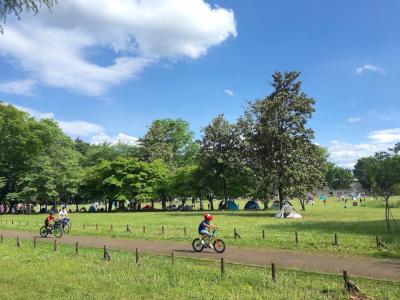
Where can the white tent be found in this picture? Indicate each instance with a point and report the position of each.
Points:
(288, 211)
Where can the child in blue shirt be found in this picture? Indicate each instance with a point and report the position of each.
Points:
(203, 228)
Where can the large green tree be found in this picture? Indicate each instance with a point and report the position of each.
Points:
(20, 144)
(276, 142)
(337, 177)
(383, 173)
(170, 140)
(220, 158)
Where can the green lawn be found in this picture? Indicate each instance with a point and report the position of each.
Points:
(28, 273)
(356, 227)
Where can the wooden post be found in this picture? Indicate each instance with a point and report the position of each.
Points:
(273, 271)
(1, 238)
(137, 255)
(162, 229)
(377, 241)
(172, 258)
(55, 246)
(346, 281)
(107, 255)
(128, 229)
(111, 227)
(222, 266)
(236, 235)
(144, 229)
(18, 243)
(34, 242)
(12, 221)
(263, 234)
(296, 237)
(97, 227)
(184, 231)
(76, 248)
(336, 240)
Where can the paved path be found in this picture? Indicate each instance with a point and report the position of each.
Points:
(308, 261)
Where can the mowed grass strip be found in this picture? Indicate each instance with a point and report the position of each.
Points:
(41, 273)
(356, 227)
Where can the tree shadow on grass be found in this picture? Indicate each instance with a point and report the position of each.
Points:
(370, 228)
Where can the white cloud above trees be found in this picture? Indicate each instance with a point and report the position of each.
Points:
(55, 48)
(346, 154)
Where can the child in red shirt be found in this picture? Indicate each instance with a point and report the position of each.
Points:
(49, 219)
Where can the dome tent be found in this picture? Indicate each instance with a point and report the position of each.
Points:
(288, 211)
(252, 205)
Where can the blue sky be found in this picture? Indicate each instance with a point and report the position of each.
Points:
(106, 71)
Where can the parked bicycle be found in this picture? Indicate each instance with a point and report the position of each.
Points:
(56, 229)
(199, 244)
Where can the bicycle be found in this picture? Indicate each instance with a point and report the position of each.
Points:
(199, 244)
(65, 225)
(56, 229)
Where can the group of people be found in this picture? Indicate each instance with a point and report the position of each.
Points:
(62, 217)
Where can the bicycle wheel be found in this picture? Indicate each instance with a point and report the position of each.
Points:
(43, 231)
(65, 227)
(197, 245)
(58, 231)
(219, 246)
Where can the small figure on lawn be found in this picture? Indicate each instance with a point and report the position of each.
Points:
(203, 228)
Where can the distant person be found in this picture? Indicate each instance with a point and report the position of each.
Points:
(63, 214)
(204, 227)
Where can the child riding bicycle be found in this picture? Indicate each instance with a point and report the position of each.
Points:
(50, 218)
(203, 229)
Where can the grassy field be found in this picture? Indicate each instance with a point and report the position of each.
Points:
(356, 227)
(40, 273)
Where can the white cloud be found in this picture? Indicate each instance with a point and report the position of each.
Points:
(55, 48)
(18, 87)
(120, 138)
(35, 113)
(371, 68)
(347, 154)
(80, 128)
(385, 136)
(74, 129)
(354, 120)
(229, 92)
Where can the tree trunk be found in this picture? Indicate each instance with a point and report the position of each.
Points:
(210, 200)
(280, 197)
(265, 202)
(302, 203)
(225, 190)
(110, 205)
(77, 207)
(152, 203)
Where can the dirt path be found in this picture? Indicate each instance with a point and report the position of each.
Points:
(327, 263)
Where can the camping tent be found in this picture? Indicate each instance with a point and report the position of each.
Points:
(231, 205)
(288, 211)
(275, 204)
(92, 208)
(252, 204)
